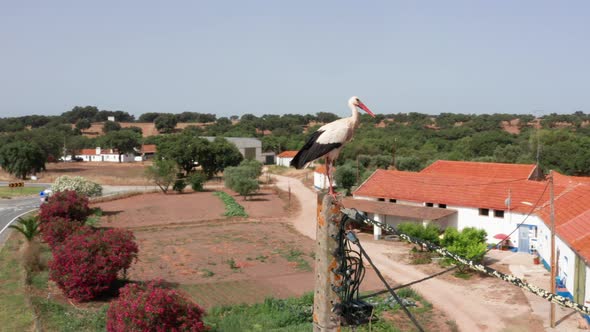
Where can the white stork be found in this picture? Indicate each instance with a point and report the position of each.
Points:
(329, 140)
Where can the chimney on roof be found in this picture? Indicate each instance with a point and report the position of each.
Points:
(98, 150)
(537, 174)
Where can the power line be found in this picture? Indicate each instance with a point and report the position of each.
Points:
(352, 238)
(459, 185)
(454, 267)
(551, 297)
(533, 208)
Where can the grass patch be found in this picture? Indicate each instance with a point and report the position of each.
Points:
(94, 218)
(420, 257)
(232, 264)
(462, 275)
(207, 273)
(276, 169)
(14, 311)
(294, 255)
(64, 317)
(290, 315)
(232, 208)
(295, 314)
(7, 192)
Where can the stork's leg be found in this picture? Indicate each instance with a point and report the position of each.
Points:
(329, 175)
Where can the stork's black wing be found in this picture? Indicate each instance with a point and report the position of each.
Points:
(312, 150)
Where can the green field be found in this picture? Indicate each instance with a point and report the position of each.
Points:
(6, 192)
(15, 314)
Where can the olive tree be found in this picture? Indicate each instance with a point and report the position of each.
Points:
(21, 158)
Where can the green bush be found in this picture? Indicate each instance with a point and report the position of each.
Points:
(243, 178)
(245, 187)
(345, 177)
(197, 180)
(162, 173)
(254, 166)
(78, 184)
(428, 233)
(179, 185)
(470, 243)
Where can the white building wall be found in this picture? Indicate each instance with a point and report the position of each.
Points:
(587, 285)
(469, 217)
(113, 158)
(284, 161)
(320, 181)
(566, 260)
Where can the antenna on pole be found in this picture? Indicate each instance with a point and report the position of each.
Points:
(538, 155)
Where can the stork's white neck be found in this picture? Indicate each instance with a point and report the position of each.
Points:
(355, 114)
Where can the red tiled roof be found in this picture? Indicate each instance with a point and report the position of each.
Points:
(455, 190)
(569, 204)
(148, 148)
(287, 154)
(572, 197)
(566, 180)
(87, 152)
(479, 169)
(322, 169)
(576, 232)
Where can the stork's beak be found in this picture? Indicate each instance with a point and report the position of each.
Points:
(366, 109)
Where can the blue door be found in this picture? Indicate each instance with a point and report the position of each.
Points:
(523, 238)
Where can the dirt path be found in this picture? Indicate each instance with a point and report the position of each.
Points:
(471, 313)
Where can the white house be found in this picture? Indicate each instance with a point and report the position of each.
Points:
(100, 155)
(284, 158)
(497, 198)
(320, 180)
(250, 148)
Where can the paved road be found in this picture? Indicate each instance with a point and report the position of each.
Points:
(12, 208)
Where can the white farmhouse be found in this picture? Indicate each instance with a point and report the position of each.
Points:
(497, 198)
(102, 155)
(284, 158)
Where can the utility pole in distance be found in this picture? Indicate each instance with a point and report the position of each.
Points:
(553, 265)
(328, 226)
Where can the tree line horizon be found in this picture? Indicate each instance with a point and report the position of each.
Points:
(411, 141)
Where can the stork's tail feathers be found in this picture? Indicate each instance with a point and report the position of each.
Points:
(297, 161)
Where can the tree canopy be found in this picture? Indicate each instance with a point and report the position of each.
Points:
(124, 141)
(22, 158)
(166, 123)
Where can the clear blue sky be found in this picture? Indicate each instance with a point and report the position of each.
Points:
(236, 57)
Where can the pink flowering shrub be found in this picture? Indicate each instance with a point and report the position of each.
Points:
(152, 307)
(65, 204)
(55, 230)
(88, 261)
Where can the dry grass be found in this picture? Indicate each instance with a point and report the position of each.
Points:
(103, 173)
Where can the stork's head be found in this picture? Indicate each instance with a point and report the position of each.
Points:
(356, 102)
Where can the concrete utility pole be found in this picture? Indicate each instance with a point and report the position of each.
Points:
(328, 224)
(553, 265)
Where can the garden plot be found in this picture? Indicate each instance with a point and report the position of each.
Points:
(186, 240)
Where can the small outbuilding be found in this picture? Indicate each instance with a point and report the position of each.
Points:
(284, 158)
(320, 180)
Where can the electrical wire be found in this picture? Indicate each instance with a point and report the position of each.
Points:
(551, 297)
(458, 185)
(533, 208)
(352, 237)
